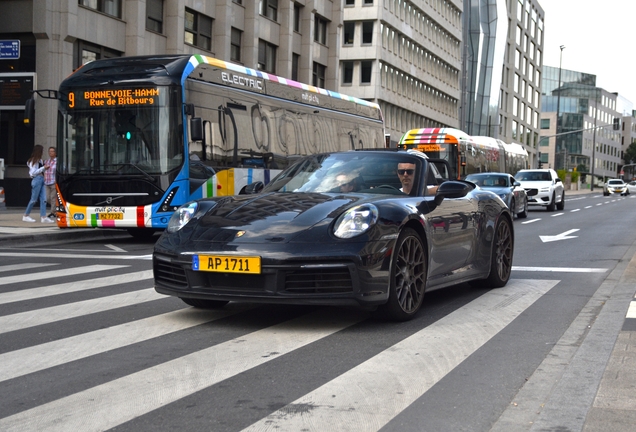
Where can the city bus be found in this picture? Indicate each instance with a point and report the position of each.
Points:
(466, 154)
(140, 136)
(439, 143)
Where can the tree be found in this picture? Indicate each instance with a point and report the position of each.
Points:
(630, 154)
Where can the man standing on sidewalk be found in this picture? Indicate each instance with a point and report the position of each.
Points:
(49, 181)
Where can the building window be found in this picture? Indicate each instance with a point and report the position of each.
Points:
(365, 71)
(367, 32)
(295, 64)
(266, 57)
(320, 30)
(198, 29)
(84, 52)
(154, 15)
(545, 123)
(347, 72)
(349, 30)
(319, 75)
(269, 8)
(235, 45)
(350, 2)
(297, 14)
(368, 2)
(110, 7)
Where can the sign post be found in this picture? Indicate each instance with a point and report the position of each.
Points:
(9, 49)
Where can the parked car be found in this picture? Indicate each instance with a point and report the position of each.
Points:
(631, 187)
(508, 189)
(615, 187)
(310, 237)
(544, 188)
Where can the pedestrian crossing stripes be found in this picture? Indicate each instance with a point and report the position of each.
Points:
(366, 397)
(631, 312)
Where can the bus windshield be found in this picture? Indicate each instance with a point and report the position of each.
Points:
(105, 133)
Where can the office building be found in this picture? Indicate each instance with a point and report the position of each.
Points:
(503, 58)
(577, 123)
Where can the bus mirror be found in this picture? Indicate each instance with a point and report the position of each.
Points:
(196, 129)
(188, 109)
(253, 188)
(29, 112)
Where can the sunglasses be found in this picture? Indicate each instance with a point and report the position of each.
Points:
(405, 171)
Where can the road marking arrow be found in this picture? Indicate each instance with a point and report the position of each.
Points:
(561, 236)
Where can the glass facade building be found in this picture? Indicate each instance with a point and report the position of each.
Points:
(503, 58)
(582, 136)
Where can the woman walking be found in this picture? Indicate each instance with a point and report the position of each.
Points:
(38, 192)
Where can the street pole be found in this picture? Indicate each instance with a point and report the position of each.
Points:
(594, 143)
(562, 47)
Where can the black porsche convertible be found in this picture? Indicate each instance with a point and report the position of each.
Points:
(372, 228)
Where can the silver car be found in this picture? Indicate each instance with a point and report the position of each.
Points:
(508, 189)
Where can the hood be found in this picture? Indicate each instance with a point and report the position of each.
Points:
(276, 217)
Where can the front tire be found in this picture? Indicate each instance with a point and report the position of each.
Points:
(501, 256)
(524, 212)
(561, 205)
(409, 268)
(552, 205)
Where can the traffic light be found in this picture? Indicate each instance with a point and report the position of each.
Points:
(617, 123)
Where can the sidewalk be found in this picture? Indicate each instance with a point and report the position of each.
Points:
(15, 232)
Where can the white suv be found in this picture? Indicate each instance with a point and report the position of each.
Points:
(543, 187)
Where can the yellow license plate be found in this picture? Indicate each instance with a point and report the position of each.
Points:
(110, 216)
(227, 264)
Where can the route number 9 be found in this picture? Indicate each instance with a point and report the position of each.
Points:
(71, 100)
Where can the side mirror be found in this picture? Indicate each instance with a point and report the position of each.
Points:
(451, 189)
(252, 188)
(196, 129)
(29, 112)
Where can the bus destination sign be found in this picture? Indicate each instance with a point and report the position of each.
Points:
(428, 147)
(112, 98)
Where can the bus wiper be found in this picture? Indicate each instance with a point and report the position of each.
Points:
(145, 174)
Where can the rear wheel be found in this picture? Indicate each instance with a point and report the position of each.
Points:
(408, 277)
(204, 303)
(501, 258)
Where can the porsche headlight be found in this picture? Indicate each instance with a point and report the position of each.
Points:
(356, 221)
(182, 216)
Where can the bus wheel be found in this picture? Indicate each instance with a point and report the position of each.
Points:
(141, 233)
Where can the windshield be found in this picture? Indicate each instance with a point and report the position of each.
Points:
(616, 182)
(487, 180)
(348, 172)
(533, 176)
(103, 132)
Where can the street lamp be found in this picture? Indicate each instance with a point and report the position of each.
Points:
(562, 47)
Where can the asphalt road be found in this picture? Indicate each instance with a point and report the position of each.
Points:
(86, 343)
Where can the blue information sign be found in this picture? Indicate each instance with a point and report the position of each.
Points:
(9, 49)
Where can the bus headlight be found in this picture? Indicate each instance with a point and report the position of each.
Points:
(356, 221)
(182, 216)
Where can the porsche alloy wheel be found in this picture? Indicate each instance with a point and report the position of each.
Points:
(501, 259)
(408, 277)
